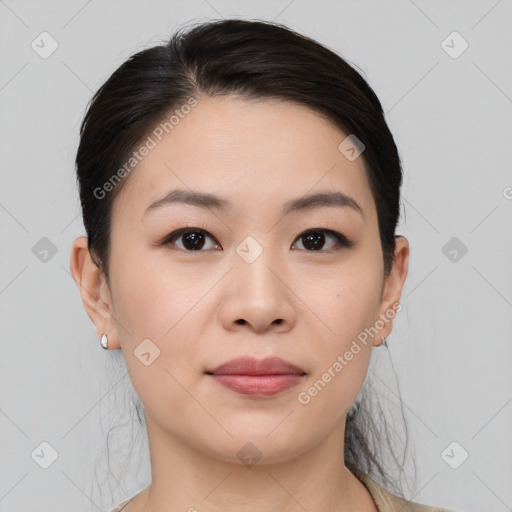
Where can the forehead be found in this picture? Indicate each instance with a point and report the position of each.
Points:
(251, 152)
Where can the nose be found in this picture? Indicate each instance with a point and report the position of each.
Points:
(256, 296)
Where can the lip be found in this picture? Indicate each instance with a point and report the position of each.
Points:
(257, 377)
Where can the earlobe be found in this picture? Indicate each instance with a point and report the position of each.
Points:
(92, 286)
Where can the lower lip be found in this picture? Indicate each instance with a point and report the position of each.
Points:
(258, 385)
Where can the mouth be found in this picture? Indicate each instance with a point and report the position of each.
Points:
(250, 376)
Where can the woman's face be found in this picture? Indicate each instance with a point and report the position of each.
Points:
(256, 284)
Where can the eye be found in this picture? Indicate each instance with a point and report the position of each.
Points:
(193, 239)
(315, 238)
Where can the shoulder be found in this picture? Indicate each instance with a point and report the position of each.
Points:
(387, 502)
(120, 506)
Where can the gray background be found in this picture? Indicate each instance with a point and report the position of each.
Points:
(451, 345)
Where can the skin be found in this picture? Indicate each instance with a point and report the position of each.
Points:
(257, 155)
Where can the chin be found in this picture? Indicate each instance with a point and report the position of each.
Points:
(258, 446)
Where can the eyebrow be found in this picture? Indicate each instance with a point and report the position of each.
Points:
(207, 200)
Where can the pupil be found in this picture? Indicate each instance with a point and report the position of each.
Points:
(314, 239)
(195, 240)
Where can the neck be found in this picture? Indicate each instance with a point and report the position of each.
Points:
(185, 479)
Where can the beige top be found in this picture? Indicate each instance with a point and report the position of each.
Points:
(384, 500)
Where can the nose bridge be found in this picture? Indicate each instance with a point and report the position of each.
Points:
(255, 296)
(255, 268)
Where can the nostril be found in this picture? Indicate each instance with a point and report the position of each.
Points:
(240, 321)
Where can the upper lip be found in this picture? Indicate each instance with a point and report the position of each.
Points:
(252, 366)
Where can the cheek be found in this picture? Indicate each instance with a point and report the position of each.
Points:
(349, 308)
(342, 358)
(157, 340)
(346, 305)
(156, 304)
(149, 301)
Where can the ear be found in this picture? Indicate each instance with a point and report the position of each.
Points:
(393, 284)
(93, 288)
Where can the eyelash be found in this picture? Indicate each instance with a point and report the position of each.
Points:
(341, 240)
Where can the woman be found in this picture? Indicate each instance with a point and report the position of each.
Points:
(240, 191)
